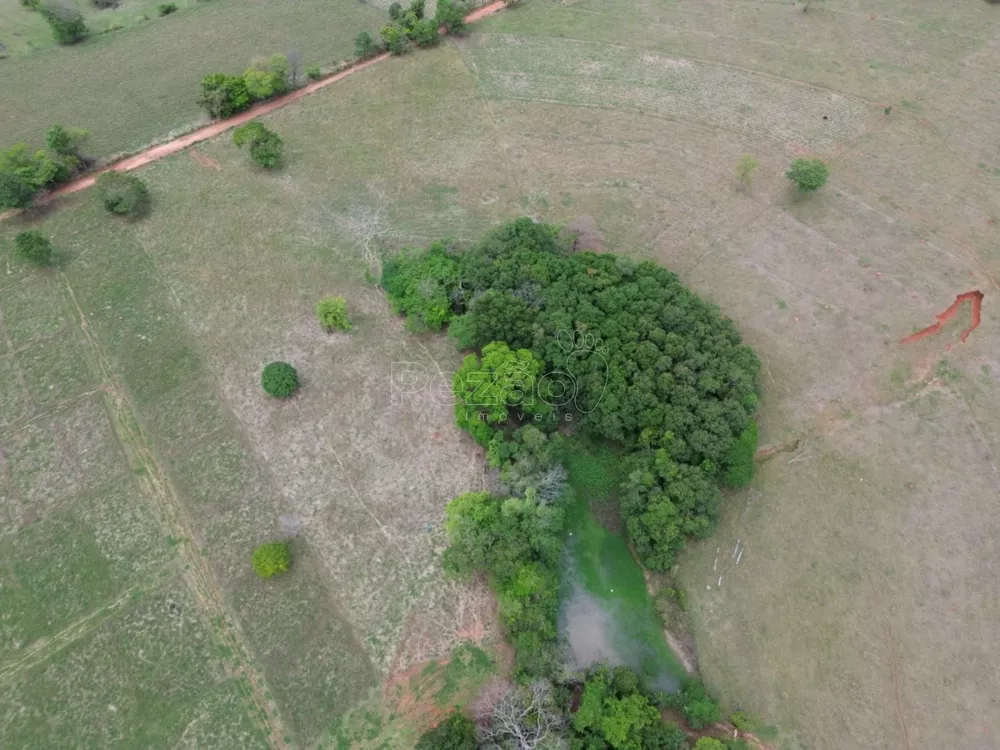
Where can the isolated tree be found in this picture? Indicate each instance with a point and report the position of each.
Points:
(271, 559)
(364, 46)
(66, 23)
(745, 169)
(395, 11)
(123, 194)
(33, 247)
(457, 732)
(808, 174)
(279, 379)
(266, 146)
(332, 314)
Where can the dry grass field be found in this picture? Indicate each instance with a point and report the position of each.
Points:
(863, 612)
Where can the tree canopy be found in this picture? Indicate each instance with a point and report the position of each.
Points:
(620, 347)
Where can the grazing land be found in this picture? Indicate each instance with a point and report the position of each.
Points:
(863, 611)
(137, 85)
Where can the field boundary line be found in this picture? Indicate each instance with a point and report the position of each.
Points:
(218, 127)
(155, 484)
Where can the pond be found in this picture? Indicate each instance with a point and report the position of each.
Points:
(606, 612)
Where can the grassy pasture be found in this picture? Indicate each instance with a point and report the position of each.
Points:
(137, 85)
(861, 614)
(24, 32)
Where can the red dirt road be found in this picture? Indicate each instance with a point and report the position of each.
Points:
(221, 126)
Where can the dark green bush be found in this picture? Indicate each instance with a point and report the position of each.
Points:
(279, 379)
(123, 194)
(66, 23)
(15, 191)
(314, 72)
(457, 732)
(165, 9)
(808, 174)
(364, 46)
(450, 16)
(271, 559)
(699, 708)
(395, 11)
(34, 247)
(266, 146)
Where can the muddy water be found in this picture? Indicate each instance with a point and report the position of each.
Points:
(609, 616)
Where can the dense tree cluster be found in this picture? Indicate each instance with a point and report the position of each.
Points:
(603, 708)
(409, 26)
(24, 172)
(517, 542)
(223, 95)
(622, 348)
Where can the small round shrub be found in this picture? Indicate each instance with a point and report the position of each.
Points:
(270, 559)
(123, 194)
(314, 72)
(808, 174)
(165, 9)
(266, 146)
(34, 247)
(332, 314)
(279, 379)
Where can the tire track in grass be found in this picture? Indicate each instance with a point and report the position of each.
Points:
(155, 485)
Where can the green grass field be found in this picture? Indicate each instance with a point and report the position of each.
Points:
(140, 462)
(137, 85)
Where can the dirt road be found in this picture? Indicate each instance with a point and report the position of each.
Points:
(210, 131)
